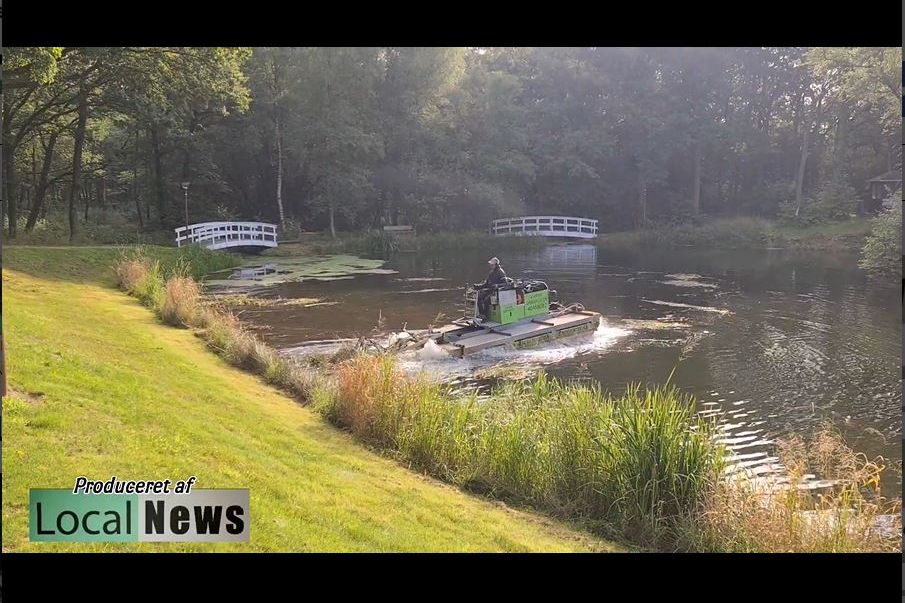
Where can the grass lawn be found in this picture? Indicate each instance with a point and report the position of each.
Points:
(100, 388)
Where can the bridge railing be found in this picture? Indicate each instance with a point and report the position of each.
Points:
(218, 235)
(548, 226)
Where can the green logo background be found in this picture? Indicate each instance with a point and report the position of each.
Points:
(55, 501)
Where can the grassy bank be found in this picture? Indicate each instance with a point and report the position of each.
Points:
(100, 387)
(635, 465)
(643, 467)
(96, 264)
(746, 233)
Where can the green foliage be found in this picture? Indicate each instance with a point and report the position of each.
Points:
(446, 139)
(882, 252)
(115, 229)
(745, 233)
(833, 202)
(24, 66)
(870, 76)
(378, 244)
(640, 462)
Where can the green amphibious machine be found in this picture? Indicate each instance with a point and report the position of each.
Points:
(522, 313)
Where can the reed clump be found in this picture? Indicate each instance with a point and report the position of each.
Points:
(637, 461)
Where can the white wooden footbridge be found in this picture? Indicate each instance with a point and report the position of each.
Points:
(545, 226)
(223, 235)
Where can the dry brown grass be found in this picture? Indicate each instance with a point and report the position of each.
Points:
(131, 272)
(181, 302)
(224, 333)
(361, 392)
(742, 516)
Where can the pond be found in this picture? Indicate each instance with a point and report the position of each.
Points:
(770, 342)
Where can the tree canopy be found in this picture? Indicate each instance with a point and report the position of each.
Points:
(442, 138)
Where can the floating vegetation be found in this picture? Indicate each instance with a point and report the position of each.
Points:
(653, 325)
(297, 269)
(510, 371)
(427, 290)
(688, 283)
(687, 280)
(689, 306)
(248, 300)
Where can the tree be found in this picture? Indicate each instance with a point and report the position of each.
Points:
(447, 138)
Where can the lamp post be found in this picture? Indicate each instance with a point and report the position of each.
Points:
(185, 188)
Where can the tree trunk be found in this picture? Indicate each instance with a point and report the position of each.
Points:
(642, 201)
(159, 188)
(41, 188)
(78, 145)
(279, 133)
(34, 177)
(7, 203)
(10, 180)
(147, 165)
(799, 180)
(696, 196)
(102, 192)
(86, 195)
(332, 222)
(141, 222)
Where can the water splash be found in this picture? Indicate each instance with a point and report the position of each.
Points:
(432, 351)
(503, 358)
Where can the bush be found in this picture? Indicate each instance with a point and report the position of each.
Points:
(181, 301)
(833, 202)
(130, 272)
(639, 462)
(103, 228)
(378, 244)
(882, 252)
(141, 277)
(742, 517)
(727, 233)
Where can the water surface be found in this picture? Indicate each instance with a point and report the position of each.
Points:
(770, 342)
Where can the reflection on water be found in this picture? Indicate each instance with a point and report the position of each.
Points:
(770, 342)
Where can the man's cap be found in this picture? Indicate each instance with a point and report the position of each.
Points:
(493, 260)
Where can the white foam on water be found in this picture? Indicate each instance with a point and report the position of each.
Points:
(432, 351)
(397, 337)
(447, 367)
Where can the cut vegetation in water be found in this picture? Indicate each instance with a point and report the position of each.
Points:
(688, 280)
(688, 306)
(277, 270)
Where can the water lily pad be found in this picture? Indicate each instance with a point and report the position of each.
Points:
(278, 270)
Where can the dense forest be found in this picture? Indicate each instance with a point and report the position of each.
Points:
(443, 138)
